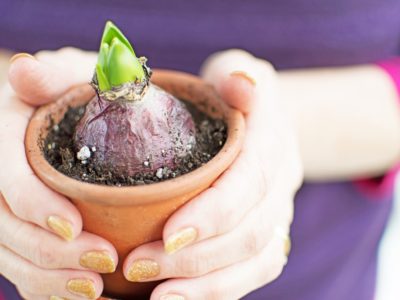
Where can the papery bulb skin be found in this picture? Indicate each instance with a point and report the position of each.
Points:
(130, 137)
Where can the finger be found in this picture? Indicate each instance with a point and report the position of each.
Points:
(242, 185)
(71, 284)
(47, 251)
(230, 283)
(32, 201)
(43, 78)
(25, 194)
(28, 296)
(269, 217)
(239, 77)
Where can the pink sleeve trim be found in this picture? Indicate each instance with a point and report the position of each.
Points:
(384, 187)
(392, 67)
(378, 189)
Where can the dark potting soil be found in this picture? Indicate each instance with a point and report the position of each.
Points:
(61, 154)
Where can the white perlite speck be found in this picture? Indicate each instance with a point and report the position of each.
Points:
(159, 173)
(83, 154)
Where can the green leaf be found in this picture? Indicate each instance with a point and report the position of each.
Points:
(110, 32)
(103, 53)
(117, 63)
(122, 65)
(102, 81)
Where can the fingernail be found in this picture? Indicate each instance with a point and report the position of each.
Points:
(57, 298)
(143, 269)
(61, 227)
(98, 261)
(245, 76)
(180, 240)
(282, 234)
(19, 55)
(172, 297)
(82, 287)
(288, 246)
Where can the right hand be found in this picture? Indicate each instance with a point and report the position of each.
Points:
(43, 249)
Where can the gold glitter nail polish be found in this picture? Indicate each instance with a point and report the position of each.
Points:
(244, 75)
(82, 287)
(98, 261)
(57, 298)
(288, 246)
(285, 237)
(19, 55)
(172, 297)
(180, 240)
(143, 269)
(61, 227)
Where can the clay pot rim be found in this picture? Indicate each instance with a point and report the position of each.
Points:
(142, 194)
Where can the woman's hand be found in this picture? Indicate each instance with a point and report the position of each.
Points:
(232, 238)
(43, 249)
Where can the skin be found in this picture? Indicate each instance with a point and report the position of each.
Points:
(358, 109)
(262, 183)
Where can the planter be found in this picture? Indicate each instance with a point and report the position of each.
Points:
(131, 216)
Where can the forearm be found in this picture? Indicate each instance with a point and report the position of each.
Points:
(347, 120)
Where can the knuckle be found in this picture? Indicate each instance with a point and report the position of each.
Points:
(44, 256)
(252, 243)
(192, 266)
(221, 211)
(225, 219)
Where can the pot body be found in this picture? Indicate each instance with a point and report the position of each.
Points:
(128, 227)
(131, 216)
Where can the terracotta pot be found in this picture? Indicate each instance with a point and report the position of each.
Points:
(131, 216)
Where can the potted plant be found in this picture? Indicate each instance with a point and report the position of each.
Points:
(128, 152)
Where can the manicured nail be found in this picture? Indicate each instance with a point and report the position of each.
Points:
(19, 55)
(57, 298)
(245, 76)
(143, 269)
(285, 237)
(62, 227)
(172, 297)
(288, 246)
(82, 287)
(98, 261)
(180, 240)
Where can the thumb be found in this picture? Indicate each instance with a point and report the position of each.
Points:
(236, 76)
(43, 78)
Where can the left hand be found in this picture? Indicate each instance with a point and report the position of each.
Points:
(234, 237)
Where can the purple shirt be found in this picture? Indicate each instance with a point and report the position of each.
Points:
(336, 229)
